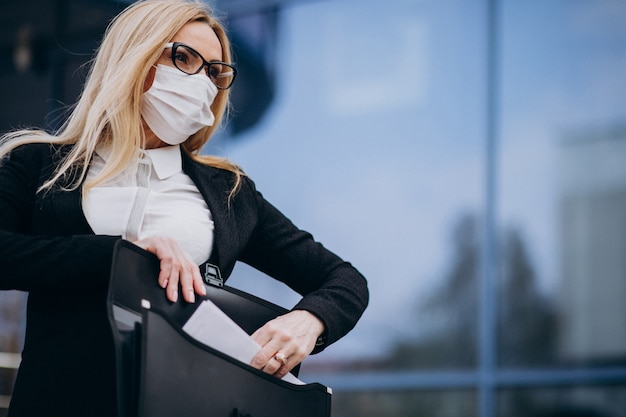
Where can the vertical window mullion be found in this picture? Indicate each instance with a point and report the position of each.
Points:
(488, 274)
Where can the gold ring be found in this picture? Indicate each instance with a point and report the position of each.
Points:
(280, 357)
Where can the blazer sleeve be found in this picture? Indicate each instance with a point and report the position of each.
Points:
(332, 289)
(32, 262)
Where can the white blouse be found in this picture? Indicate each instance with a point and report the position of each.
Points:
(152, 197)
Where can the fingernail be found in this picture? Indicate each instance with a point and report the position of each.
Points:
(164, 285)
(175, 296)
(192, 297)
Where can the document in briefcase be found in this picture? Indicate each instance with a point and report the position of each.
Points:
(133, 291)
(181, 377)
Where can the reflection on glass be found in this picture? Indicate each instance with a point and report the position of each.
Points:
(602, 401)
(383, 167)
(592, 209)
(407, 403)
(527, 321)
(562, 282)
(451, 309)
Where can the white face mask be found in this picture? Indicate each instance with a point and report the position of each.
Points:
(177, 105)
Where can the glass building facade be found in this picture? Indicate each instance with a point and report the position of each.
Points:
(469, 157)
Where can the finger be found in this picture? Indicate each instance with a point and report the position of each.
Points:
(284, 367)
(272, 366)
(170, 281)
(261, 336)
(271, 340)
(183, 274)
(190, 278)
(172, 286)
(260, 359)
(198, 284)
(266, 354)
(272, 360)
(170, 267)
(187, 284)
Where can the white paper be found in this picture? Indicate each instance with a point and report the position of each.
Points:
(211, 326)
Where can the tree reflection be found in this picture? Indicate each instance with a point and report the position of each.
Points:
(526, 319)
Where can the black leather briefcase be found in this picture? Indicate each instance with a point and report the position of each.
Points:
(162, 371)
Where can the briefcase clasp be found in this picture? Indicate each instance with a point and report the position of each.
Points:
(212, 275)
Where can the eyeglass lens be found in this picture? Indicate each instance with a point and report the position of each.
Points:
(189, 61)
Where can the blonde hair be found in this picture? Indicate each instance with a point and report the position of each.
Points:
(109, 108)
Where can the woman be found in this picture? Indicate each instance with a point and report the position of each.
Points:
(126, 165)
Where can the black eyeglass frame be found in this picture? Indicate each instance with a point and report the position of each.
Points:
(205, 63)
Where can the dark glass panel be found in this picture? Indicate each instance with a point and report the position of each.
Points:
(405, 403)
(596, 401)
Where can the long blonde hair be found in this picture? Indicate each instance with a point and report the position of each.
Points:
(109, 108)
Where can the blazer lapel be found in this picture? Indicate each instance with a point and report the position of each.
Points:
(214, 185)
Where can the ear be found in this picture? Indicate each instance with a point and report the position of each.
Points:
(149, 79)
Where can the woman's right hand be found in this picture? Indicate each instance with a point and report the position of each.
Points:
(177, 269)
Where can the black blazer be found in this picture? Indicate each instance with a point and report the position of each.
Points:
(48, 249)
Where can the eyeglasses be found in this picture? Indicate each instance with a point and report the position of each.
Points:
(189, 61)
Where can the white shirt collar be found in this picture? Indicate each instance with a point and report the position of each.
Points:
(166, 161)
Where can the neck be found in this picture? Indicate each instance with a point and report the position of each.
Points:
(152, 141)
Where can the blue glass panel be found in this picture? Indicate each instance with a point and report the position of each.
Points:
(563, 183)
(375, 144)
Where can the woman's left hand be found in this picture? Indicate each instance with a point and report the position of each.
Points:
(286, 341)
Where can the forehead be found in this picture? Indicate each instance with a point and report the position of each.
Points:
(201, 37)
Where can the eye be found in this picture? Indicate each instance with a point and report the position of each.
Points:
(182, 56)
(214, 71)
(186, 59)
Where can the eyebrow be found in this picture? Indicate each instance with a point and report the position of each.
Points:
(171, 45)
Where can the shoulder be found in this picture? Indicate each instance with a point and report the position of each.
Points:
(219, 174)
(30, 150)
(38, 153)
(27, 160)
(32, 164)
(212, 165)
